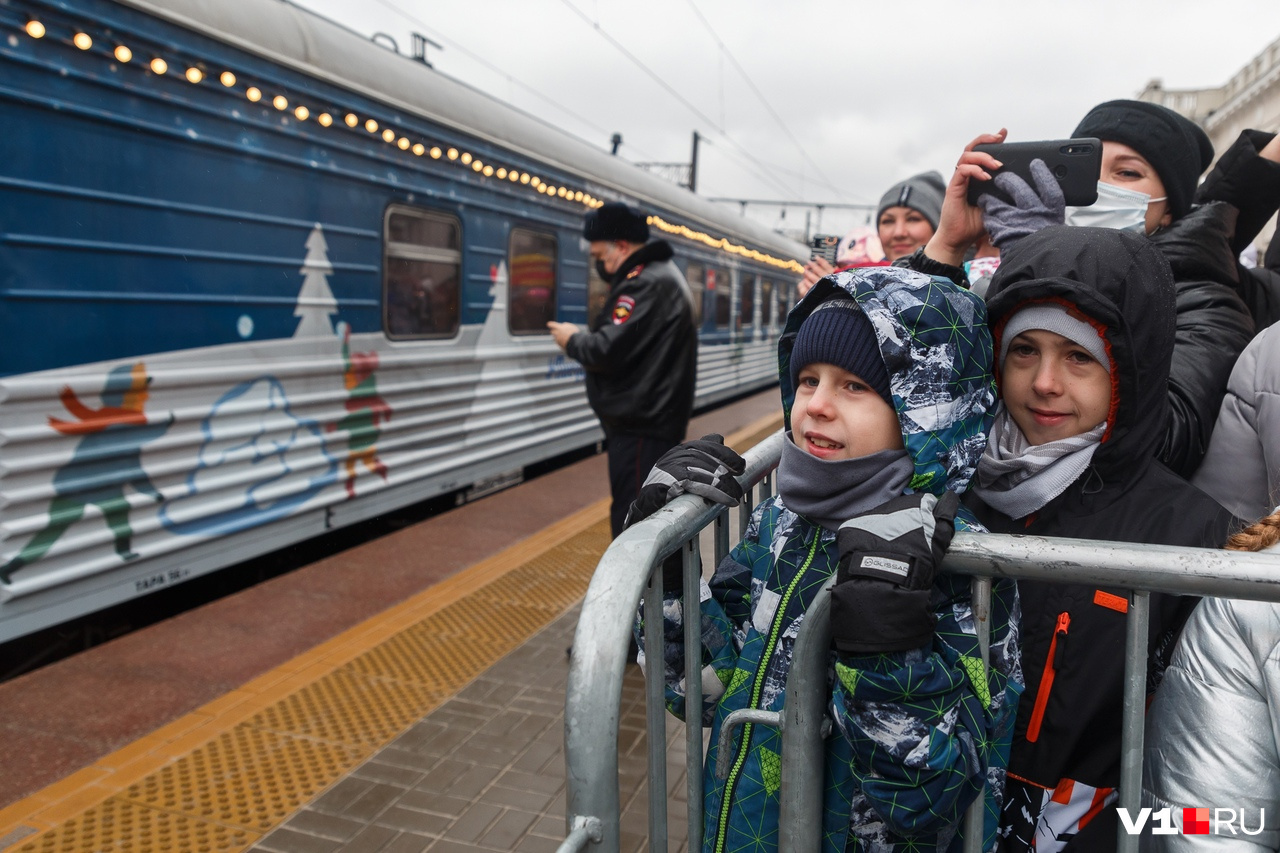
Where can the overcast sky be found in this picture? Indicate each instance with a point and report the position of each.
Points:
(856, 95)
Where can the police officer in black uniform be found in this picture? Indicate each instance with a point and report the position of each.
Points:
(640, 353)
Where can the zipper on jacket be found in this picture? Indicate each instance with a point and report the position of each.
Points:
(757, 688)
(1057, 646)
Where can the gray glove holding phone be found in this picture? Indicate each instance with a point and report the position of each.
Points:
(1031, 210)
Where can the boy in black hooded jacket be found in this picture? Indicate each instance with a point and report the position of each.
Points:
(1065, 764)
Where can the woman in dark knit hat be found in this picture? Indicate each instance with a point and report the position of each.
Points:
(1151, 161)
(1149, 149)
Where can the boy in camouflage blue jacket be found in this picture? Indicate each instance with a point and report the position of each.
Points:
(887, 391)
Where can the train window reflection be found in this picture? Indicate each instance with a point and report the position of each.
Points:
(747, 304)
(422, 269)
(768, 318)
(696, 275)
(784, 301)
(720, 285)
(531, 300)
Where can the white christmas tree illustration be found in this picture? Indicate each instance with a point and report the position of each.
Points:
(315, 299)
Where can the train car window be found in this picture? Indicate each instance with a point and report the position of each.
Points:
(784, 301)
(719, 283)
(768, 318)
(531, 275)
(421, 274)
(696, 275)
(747, 304)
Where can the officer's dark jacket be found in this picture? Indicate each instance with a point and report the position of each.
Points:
(641, 353)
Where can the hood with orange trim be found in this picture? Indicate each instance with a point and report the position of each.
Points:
(1123, 282)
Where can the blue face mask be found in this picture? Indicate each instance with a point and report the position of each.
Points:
(1121, 209)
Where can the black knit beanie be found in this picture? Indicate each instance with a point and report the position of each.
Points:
(922, 192)
(1175, 146)
(837, 332)
(616, 221)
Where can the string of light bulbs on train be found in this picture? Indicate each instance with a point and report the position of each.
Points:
(195, 75)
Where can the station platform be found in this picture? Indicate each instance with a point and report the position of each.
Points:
(406, 695)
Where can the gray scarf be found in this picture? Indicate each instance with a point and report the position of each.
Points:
(1018, 478)
(832, 491)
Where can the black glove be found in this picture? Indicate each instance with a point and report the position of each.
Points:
(888, 560)
(1032, 209)
(704, 467)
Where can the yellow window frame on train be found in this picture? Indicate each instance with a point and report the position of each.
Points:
(537, 328)
(395, 252)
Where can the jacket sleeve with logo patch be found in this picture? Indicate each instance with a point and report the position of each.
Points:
(615, 344)
(927, 730)
(725, 613)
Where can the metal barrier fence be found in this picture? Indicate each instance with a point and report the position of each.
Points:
(626, 573)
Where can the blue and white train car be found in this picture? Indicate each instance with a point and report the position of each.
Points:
(260, 277)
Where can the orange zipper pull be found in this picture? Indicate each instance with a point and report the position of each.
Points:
(1051, 664)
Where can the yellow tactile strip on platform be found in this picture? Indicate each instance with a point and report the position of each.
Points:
(221, 777)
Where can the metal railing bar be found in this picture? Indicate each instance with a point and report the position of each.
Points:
(655, 715)
(693, 688)
(1154, 568)
(980, 598)
(584, 831)
(591, 718)
(1135, 706)
(800, 811)
(593, 696)
(722, 538)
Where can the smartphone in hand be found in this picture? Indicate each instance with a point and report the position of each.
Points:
(825, 246)
(1076, 163)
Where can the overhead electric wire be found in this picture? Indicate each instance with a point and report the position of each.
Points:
(510, 78)
(657, 78)
(768, 106)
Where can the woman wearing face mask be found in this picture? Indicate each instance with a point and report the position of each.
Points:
(1151, 160)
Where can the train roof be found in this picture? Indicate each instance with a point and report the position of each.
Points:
(312, 44)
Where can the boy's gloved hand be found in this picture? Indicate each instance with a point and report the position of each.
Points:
(888, 560)
(1032, 209)
(704, 467)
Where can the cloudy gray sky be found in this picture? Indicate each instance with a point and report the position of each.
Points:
(819, 100)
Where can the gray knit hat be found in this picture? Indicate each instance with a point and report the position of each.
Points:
(922, 192)
(837, 332)
(1052, 317)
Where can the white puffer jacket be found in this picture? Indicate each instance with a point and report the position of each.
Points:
(1213, 729)
(1241, 469)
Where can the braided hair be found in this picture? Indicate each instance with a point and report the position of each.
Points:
(1261, 534)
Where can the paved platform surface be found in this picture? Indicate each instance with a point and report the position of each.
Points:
(485, 771)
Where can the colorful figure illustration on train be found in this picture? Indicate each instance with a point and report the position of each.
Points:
(365, 411)
(251, 471)
(107, 459)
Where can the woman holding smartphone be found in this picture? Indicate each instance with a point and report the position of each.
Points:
(1151, 161)
(905, 220)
